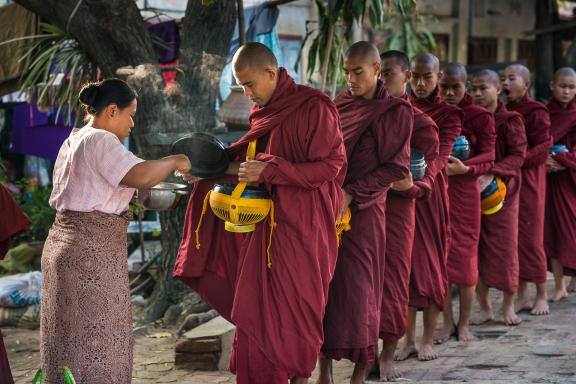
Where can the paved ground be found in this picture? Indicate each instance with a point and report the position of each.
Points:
(540, 350)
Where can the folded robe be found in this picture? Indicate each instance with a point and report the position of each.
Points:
(531, 253)
(560, 228)
(377, 138)
(428, 278)
(400, 223)
(279, 310)
(498, 248)
(464, 192)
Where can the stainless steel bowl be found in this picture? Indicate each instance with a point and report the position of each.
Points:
(162, 196)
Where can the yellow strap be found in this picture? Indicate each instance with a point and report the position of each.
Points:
(272, 226)
(240, 187)
(251, 152)
(201, 216)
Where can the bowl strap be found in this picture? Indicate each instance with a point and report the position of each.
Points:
(206, 198)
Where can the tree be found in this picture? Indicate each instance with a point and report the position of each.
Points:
(114, 35)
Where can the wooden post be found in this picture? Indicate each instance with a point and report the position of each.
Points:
(241, 22)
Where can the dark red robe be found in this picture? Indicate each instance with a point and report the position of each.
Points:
(498, 248)
(400, 223)
(428, 278)
(278, 311)
(464, 191)
(13, 223)
(377, 138)
(531, 253)
(560, 232)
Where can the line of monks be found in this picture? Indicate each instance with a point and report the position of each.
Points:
(296, 297)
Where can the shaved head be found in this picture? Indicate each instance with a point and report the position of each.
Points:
(489, 76)
(363, 50)
(564, 72)
(426, 58)
(400, 58)
(520, 70)
(255, 56)
(456, 70)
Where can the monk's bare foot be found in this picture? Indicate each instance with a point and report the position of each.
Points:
(540, 307)
(426, 353)
(444, 334)
(465, 335)
(523, 305)
(405, 352)
(572, 286)
(388, 371)
(485, 317)
(510, 317)
(559, 295)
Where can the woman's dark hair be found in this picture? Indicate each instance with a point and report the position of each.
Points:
(95, 97)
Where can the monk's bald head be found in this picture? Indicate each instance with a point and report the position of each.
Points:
(515, 82)
(361, 69)
(453, 83)
(394, 72)
(488, 75)
(397, 57)
(254, 55)
(563, 85)
(426, 58)
(455, 70)
(424, 74)
(485, 88)
(564, 72)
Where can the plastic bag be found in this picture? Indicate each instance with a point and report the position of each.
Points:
(20, 290)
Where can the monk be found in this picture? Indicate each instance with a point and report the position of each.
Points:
(400, 218)
(464, 191)
(428, 279)
(13, 223)
(560, 233)
(498, 247)
(531, 254)
(273, 285)
(376, 129)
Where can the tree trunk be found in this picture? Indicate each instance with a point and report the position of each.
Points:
(115, 36)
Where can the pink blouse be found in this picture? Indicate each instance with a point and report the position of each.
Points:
(87, 174)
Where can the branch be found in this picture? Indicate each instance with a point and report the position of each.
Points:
(275, 3)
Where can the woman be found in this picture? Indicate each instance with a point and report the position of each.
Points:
(86, 319)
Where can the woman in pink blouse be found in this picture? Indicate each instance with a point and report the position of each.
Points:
(86, 319)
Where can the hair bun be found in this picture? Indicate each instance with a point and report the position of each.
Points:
(89, 94)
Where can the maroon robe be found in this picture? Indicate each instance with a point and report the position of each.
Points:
(428, 278)
(400, 223)
(560, 233)
(12, 224)
(278, 311)
(464, 191)
(498, 248)
(531, 253)
(377, 138)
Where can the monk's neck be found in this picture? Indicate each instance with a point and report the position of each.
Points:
(563, 105)
(370, 95)
(493, 107)
(518, 100)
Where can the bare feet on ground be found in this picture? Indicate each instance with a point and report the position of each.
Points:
(572, 286)
(540, 307)
(510, 317)
(405, 352)
(444, 334)
(559, 295)
(485, 316)
(464, 334)
(523, 305)
(426, 353)
(388, 371)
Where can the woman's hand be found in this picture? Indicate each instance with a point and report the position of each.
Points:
(182, 164)
(456, 167)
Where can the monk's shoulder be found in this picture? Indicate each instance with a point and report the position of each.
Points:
(449, 114)
(315, 101)
(422, 120)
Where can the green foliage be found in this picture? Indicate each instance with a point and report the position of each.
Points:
(39, 212)
(40, 377)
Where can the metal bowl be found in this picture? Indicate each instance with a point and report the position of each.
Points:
(162, 196)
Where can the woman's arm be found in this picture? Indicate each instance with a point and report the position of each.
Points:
(147, 174)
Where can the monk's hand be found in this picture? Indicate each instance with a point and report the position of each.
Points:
(484, 180)
(553, 166)
(347, 201)
(404, 184)
(251, 170)
(456, 167)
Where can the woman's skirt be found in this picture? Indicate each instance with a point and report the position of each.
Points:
(86, 318)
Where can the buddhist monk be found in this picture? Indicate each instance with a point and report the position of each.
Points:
(531, 254)
(560, 233)
(464, 191)
(273, 285)
(498, 248)
(428, 279)
(376, 129)
(400, 218)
